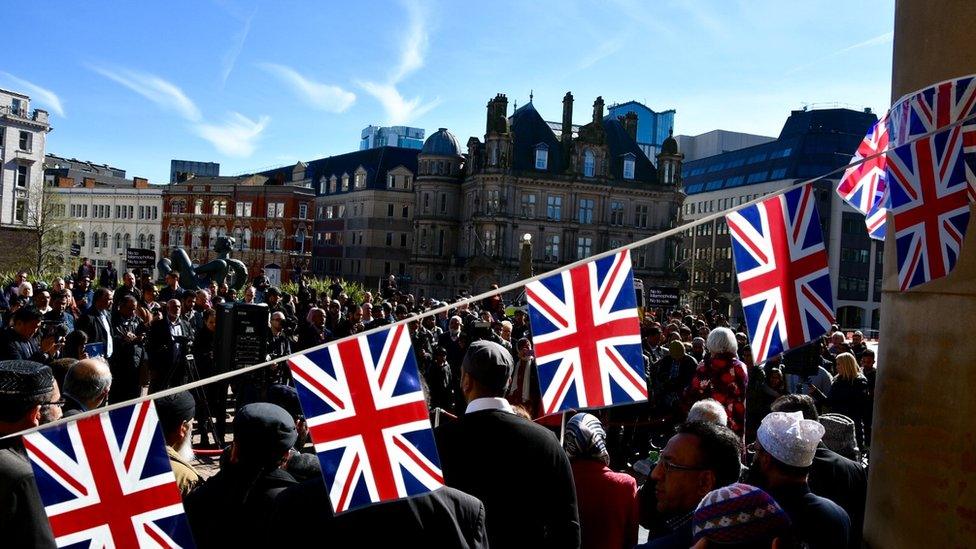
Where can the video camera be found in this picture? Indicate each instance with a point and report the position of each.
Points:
(53, 328)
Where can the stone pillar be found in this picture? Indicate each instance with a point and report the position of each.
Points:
(922, 487)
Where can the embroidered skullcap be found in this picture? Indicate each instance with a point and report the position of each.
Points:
(739, 514)
(789, 438)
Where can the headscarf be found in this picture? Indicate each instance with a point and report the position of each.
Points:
(585, 438)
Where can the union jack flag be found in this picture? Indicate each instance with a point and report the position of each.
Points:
(368, 419)
(930, 182)
(106, 481)
(781, 265)
(587, 336)
(863, 186)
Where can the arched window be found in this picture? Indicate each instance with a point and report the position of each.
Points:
(246, 241)
(118, 241)
(269, 240)
(94, 240)
(332, 184)
(300, 240)
(81, 239)
(345, 182)
(142, 241)
(212, 236)
(128, 241)
(198, 206)
(541, 156)
(152, 242)
(629, 167)
(173, 237)
(196, 237)
(589, 163)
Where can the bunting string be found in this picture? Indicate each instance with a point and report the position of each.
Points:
(675, 231)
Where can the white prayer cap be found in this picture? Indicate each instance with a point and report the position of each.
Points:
(789, 438)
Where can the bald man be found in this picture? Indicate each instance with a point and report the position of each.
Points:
(168, 339)
(86, 386)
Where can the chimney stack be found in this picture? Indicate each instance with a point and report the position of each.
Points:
(65, 182)
(630, 124)
(598, 110)
(140, 183)
(567, 132)
(89, 182)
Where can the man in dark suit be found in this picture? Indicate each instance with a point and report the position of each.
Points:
(516, 468)
(128, 332)
(442, 518)
(127, 288)
(173, 290)
(17, 341)
(97, 322)
(109, 277)
(168, 339)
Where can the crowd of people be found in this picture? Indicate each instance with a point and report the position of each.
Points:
(725, 453)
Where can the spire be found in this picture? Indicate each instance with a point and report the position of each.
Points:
(530, 95)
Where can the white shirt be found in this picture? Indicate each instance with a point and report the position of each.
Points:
(103, 318)
(489, 403)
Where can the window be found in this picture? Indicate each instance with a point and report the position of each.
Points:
(584, 247)
(303, 211)
(554, 208)
(490, 241)
(272, 240)
(389, 210)
(528, 205)
(20, 211)
(322, 185)
(390, 181)
(220, 207)
(586, 210)
(94, 239)
(423, 239)
(589, 163)
(25, 141)
(640, 216)
(360, 180)
(3, 134)
(127, 240)
(616, 212)
(541, 157)
(332, 184)
(389, 239)
(152, 242)
(242, 209)
(118, 241)
(443, 208)
(440, 242)
(756, 177)
(198, 206)
(403, 240)
(552, 248)
(405, 212)
(493, 200)
(22, 176)
(628, 168)
(81, 239)
(276, 209)
(196, 237)
(426, 202)
(345, 182)
(778, 173)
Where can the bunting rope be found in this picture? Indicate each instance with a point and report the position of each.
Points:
(480, 297)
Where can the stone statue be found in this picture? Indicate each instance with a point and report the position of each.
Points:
(221, 270)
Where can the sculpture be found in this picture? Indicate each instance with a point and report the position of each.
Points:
(222, 270)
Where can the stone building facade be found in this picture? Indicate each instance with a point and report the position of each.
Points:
(570, 194)
(271, 221)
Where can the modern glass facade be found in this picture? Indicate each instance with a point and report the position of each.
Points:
(652, 127)
(391, 136)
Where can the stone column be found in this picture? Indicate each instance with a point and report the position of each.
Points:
(922, 488)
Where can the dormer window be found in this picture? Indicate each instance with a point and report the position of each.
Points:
(332, 185)
(322, 185)
(541, 156)
(345, 182)
(589, 163)
(360, 178)
(390, 181)
(629, 166)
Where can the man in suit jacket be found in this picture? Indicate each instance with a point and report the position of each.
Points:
(168, 338)
(109, 277)
(442, 518)
(516, 468)
(97, 322)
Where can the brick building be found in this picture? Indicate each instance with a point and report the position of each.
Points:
(270, 219)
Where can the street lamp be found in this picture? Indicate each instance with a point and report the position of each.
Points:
(525, 257)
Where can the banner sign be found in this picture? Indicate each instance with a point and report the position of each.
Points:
(658, 297)
(139, 258)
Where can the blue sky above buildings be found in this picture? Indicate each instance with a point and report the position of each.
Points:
(254, 84)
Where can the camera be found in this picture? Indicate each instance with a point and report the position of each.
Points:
(53, 328)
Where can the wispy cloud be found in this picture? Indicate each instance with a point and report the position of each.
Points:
(602, 51)
(37, 93)
(236, 136)
(884, 38)
(161, 92)
(413, 50)
(232, 53)
(325, 97)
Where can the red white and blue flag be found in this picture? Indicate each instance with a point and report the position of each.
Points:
(587, 336)
(930, 180)
(368, 419)
(781, 266)
(106, 481)
(863, 186)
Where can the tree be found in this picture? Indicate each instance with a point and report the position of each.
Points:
(47, 222)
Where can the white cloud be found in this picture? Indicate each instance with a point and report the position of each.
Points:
(884, 38)
(230, 56)
(39, 94)
(325, 97)
(413, 51)
(161, 92)
(237, 136)
(602, 51)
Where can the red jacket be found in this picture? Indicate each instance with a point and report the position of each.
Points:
(607, 505)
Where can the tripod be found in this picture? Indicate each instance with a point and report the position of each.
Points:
(193, 374)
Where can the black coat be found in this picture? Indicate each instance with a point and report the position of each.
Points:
(14, 347)
(92, 325)
(815, 520)
(519, 471)
(127, 358)
(23, 522)
(444, 518)
(164, 353)
(843, 481)
(232, 508)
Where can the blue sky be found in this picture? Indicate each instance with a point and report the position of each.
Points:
(252, 84)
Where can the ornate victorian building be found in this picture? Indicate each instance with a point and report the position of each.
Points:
(568, 194)
(270, 220)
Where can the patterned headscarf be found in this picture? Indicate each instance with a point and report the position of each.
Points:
(585, 438)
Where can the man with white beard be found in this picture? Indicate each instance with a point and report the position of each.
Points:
(176, 413)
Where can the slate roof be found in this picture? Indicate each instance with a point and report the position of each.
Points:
(441, 142)
(376, 162)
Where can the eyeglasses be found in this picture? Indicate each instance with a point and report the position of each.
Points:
(58, 403)
(669, 466)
